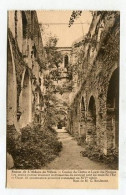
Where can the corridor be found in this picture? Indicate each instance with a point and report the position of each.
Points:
(70, 157)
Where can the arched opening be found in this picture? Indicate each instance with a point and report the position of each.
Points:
(24, 30)
(37, 106)
(24, 21)
(32, 25)
(113, 111)
(66, 61)
(82, 117)
(25, 101)
(11, 88)
(91, 122)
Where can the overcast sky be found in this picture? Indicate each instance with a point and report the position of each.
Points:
(56, 23)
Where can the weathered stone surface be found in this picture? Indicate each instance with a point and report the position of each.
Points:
(25, 86)
(97, 76)
(25, 64)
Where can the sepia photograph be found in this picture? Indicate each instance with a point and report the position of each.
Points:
(63, 90)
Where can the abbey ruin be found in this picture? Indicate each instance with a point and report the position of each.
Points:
(89, 71)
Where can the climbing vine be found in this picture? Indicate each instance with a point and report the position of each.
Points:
(103, 43)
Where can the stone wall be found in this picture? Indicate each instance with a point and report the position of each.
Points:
(96, 60)
(25, 69)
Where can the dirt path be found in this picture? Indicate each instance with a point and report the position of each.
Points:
(70, 156)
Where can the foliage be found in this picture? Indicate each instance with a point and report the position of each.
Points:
(53, 112)
(13, 138)
(55, 74)
(74, 15)
(37, 146)
(54, 57)
(103, 44)
(110, 47)
(95, 153)
(81, 140)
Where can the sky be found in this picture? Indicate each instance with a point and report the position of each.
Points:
(56, 23)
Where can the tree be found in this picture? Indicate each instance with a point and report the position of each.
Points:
(54, 110)
(54, 57)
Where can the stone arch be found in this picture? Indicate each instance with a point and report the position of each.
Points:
(91, 122)
(112, 124)
(25, 100)
(66, 61)
(11, 88)
(82, 117)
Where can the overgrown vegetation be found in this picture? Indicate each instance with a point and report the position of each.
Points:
(94, 153)
(54, 57)
(55, 109)
(99, 45)
(81, 140)
(38, 144)
(34, 147)
(104, 43)
(74, 16)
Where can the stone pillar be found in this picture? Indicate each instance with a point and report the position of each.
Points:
(26, 101)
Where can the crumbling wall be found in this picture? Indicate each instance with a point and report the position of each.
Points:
(25, 61)
(99, 61)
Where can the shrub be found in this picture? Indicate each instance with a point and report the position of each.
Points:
(37, 146)
(13, 138)
(81, 140)
(94, 153)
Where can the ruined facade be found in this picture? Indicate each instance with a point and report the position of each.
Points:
(25, 69)
(64, 80)
(94, 101)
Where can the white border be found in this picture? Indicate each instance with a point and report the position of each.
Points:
(62, 4)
